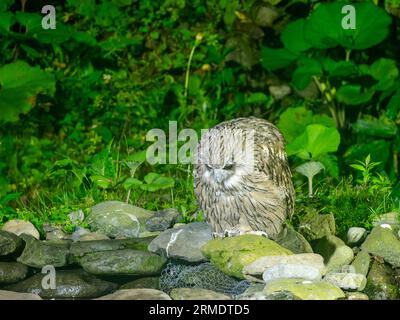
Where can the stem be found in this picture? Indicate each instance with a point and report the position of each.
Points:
(348, 52)
(310, 187)
(128, 196)
(188, 70)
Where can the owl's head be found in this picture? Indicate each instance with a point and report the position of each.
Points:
(224, 156)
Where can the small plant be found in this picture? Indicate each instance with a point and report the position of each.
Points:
(365, 168)
(310, 169)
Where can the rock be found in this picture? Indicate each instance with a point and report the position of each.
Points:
(11, 295)
(265, 16)
(233, 253)
(147, 282)
(75, 284)
(117, 219)
(122, 262)
(291, 271)
(82, 234)
(382, 242)
(347, 281)
(380, 283)
(196, 294)
(11, 272)
(336, 254)
(356, 296)
(162, 220)
(79, 249)
(355, 236)
(279, 92)
(54, 232)
(136, 294)
(9, 243)
(38, 254)
(19, 227)
(294, 241)
(255, 270)
(390, 218)
(361, 263)
(182, 243)
(76, 216)
(243, 52)
(305, 290)
(315, 226)
(255, 292)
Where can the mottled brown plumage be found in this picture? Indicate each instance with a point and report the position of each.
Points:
(236, 195)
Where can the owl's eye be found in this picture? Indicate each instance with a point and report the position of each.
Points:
(228, 166)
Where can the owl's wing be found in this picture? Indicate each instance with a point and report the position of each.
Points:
(273, 163)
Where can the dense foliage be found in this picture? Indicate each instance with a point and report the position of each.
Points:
(76, 102)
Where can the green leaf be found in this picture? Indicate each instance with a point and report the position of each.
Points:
(155, 182)
(293, 36)
(19, 85)
(331, 165)
(132, 183)
(273, 59)
(314, 142)
(324, 27)
(378, 149)
(383, 128)
(293, 122)
(393, 107)
(310, 168)
(7, 19)
(340, 68)
(384, 71)
(307, 68)
(257, 98)
(101, 181)
(352, 94)
(4, 4)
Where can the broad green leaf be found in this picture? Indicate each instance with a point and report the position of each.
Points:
(7, 19)
(314, 142)
(384, 71)
(331, 165)
(340, 68)
(307, 68)
(257, 98)
(273, 59)
(293, 36)
(132, 183)
(393, 107)
(19, 85)
(155, 182)
(4, 4)
(324, 27)
(375, 127)
(293, 122)
(352, 94)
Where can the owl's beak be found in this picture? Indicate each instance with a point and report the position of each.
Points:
(218, 174)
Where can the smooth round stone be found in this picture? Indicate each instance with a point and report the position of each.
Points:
(356, 296)
(19, 227)
(291, 271)
(347, 281)
(136, 294)
(143, 283)
(162, 220)
(355, 236)
(9, 243)
(255, 270)
(11, 272)
(361, 263)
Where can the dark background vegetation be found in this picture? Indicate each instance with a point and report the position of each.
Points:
(76, 102)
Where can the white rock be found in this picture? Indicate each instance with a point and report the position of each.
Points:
(291, 271)
(347, 281)
(19, 227)
(355, 236)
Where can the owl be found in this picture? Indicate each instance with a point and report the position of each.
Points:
(242, 179)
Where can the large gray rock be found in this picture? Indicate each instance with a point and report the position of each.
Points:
(9, 243)
(255, 270)
(361, 263)
(162, 220)
(315, 226)
(292, 271)
(196, 294)
(54, 232)
(75, 284)
(11, 272)
(294, 241)
(380, 283)
(183, 242)
(118, 219)
(136, 294)
(347, 281)
(122, 262)
(11, 295)
(19, 227)
(336, 254)
(38, 254)
(256, 292)
(390, 218)
(82, 234)
(79, 249)
(382, 242)
(143, 283)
